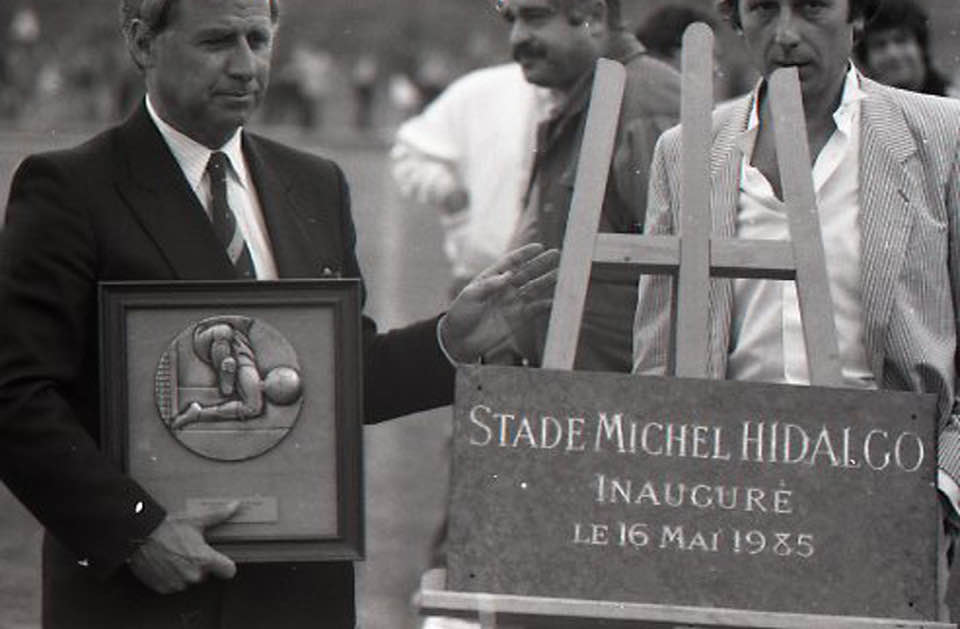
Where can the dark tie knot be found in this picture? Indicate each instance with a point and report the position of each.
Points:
(217, 166)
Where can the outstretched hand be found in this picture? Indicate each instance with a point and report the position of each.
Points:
(176, 555)
(495, 311)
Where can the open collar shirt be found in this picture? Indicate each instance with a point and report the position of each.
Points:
(767, 341)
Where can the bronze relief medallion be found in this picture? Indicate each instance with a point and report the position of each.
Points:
(229, 387)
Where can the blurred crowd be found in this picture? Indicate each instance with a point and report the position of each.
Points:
(37, 84)
(40, 87)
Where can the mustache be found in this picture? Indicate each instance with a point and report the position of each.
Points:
(528, 50)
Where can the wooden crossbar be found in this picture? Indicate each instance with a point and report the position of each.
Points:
(495, 611)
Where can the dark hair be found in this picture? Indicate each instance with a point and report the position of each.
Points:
(156, 13)
(662, 31)
(730, 10)
(904, 15)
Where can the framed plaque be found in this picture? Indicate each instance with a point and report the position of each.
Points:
(250, 391)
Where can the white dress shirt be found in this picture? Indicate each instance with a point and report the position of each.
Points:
(241, 193)
(767, 341)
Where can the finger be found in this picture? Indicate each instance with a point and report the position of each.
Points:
(220, 566)
(538, 283)
(483, 288)
(538, 308)
(539, 287)
(512, 260)
(158, 569)
(541, 264)
(216, 515)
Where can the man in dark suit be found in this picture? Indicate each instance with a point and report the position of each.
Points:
(180, 192)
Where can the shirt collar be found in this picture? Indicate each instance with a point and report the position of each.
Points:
(193, 156)
(844, 117)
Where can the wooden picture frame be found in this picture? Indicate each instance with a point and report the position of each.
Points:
(249, 391)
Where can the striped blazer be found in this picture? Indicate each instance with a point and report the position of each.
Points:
(910, 267)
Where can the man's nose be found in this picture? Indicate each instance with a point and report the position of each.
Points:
(519, 33)
(786, 33)
(242, 62)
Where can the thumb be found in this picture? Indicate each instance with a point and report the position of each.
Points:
(220, 566)
(216, 514)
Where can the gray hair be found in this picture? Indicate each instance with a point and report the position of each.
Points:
(155, 14)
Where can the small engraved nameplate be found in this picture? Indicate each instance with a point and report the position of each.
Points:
(253, 509)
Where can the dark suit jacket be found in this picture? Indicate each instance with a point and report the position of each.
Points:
(119, 208)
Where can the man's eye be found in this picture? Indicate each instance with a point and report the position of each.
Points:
(259, 41)
(215, 42)
(762, 7)
(814, 6)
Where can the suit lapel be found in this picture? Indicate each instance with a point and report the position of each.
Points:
(298, 238)
(889, 182)
(725, 161)
(158, 194)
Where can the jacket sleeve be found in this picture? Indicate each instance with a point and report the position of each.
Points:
(49, 455)
(949, 436)
(405, 370)
(652, 334)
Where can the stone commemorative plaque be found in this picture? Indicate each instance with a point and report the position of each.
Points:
(694, 493)
(250, 392)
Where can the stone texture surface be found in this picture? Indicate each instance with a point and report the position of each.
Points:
(533, 514)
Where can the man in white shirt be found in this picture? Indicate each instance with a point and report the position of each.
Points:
(887, 188)
(468, 155)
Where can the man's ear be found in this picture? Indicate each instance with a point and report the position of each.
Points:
(140, 40)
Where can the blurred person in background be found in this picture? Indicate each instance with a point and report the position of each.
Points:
(894, 48)
(434, 71)
(24, 60)
(363, 80)
(662, 31)
(468, 156)
(299, 92)
(557, 43)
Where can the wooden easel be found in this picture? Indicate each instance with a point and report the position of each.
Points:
(693, 257)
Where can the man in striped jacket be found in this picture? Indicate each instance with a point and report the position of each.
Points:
(885, 172)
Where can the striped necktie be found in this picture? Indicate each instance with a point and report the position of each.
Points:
(224, 222)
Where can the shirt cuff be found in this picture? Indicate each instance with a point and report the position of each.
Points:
(454, 361)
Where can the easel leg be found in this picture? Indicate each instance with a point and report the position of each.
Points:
(488, 619)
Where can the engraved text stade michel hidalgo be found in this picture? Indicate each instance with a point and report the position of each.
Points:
(773, 443)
